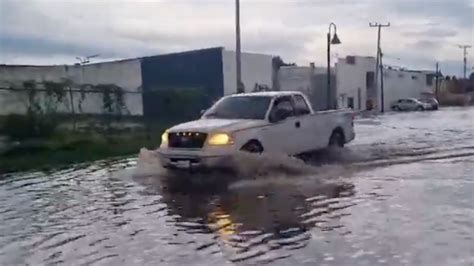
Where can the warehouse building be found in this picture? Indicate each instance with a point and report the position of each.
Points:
(175, 85)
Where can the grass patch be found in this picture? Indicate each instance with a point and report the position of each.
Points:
(70, 148)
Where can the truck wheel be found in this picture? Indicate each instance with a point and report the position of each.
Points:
(336, 140)
(420, 108)
(252, 147)
(396, 108)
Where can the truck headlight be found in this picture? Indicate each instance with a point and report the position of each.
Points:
(219, 139)
(164, 138)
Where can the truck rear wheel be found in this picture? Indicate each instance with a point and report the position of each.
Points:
(252, 147)
(336, 140)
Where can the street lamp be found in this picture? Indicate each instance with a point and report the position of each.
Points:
(238, 59)
(334, 40)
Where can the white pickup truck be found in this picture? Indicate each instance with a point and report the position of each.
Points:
(273, 122)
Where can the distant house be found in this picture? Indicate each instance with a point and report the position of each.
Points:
(355, 81)
(358, 89)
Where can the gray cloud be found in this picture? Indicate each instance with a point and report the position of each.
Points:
(426, 45)
(432, 32)
(455, 13)
(422, 31)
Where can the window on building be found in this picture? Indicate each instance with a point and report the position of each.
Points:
(429, 80)
(351, 60)
(370, 79)
(350, 102)
(301, 108)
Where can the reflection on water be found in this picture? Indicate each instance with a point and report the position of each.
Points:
(253, 221)
(403, 196)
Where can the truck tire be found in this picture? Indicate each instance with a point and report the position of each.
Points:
(420, 108)
(396, 108)
(336, 139)
(252, 146)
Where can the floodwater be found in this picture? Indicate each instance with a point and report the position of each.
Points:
(401, 194)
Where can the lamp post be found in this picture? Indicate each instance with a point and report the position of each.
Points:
(334, 40)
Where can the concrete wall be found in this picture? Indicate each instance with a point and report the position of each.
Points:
(256, 69)
(125, 74)
(310, 80)
(13, 76)
(351, 81)
(295, 78)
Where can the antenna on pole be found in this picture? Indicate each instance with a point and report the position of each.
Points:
(465, 47)
(86, 60)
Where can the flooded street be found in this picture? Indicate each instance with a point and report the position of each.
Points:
(401, 194)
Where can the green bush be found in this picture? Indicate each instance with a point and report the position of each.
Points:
(20, 127)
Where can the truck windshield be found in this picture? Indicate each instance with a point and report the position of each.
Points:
(240, 107)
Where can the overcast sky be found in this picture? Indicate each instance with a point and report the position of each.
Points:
(56, 31)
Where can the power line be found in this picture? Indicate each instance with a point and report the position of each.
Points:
(465, 47)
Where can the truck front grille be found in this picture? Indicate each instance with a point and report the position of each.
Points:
(187, 140)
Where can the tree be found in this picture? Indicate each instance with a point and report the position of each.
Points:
(277, 62)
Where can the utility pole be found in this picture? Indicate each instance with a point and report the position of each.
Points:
(465, 47)
(335, 40)
(238, 62)
(436, 84)
(377, 64)
(382, 99)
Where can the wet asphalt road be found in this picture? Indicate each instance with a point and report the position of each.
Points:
(401, 194)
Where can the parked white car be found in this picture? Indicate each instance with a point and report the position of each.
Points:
(433, 103)
(410, 104)
(273, 122)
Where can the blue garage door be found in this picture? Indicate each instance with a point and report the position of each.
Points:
(176, 87)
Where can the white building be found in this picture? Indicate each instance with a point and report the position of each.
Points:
(399, 83)
(256, 69)
(310, 80)
(357, 89)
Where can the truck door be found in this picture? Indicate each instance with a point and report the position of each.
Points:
(280, 136)
(307, 127)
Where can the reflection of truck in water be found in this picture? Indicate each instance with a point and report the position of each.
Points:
(273, 122)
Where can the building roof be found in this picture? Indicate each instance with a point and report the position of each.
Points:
(126, 59)
(130, 59)
(267, 93)
(398, 69)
